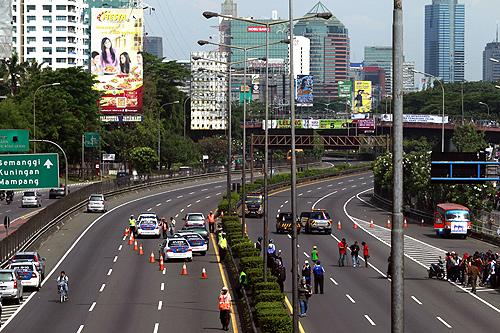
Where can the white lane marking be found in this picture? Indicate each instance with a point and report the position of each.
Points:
(301, 194)
(110, 271)
(334, 282)
(281, 206)
(8, 211)
(92, 307)
(350, 180)
(354, 185)
(102, 287)
(191, 193)
(149, 209)
(369, 320)
(158, 204)
(319, 188)
(323, 197)
(298, 245)
(443, 322)
(160, 304)
(340, 183)
(218, 193)
(290, 237)
(218, 186)
(309, 191)
(205, 189)
(207, 197)
(155, 330)
(124, 237)
(180, 196)
(306, 255)
(168, 200)
(344, 189)
(182, 210)
(115, 258)
(80, 329)
(363, 183)
(188, 206)
(120, 247)
(162, 287)
(350, 298)
(197, 201)
(286, 202)
(176, 215)
(330, 185)
(279, 210)
(164, 271)
(416, 300)
(360, 178)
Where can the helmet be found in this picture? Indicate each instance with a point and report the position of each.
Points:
(306, 262)
(315, 247)
(211, 212)
(131, 216)
(271, 241)
(318, 262)
(259, 239)
(224, 288)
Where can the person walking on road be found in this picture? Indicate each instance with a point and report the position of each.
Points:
(164, 227)
(258, 244)
(132, 224)
(304, 293)
(314, 254)
(319, 277)
(281, 274)
(342, 251)
(473, 275)
(222, 247)
(224, 308)
(355, 254)
(389, 267)
(366, 253)
(172, 226)
(306, 272)
(211, 222)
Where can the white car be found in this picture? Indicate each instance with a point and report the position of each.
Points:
(28, 273)
(97, 203)
(148, 225)
(31, 199)
(176, 248)
(192, 219)
(197, 243)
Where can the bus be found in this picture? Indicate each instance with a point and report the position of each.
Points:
(452, 219)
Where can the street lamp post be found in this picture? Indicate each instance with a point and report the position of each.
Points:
(34, 110)
(487, 106)
(442, 119)
(184, 112)
(159, 131)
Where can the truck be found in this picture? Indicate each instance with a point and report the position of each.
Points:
(284, 222)
(254, 204)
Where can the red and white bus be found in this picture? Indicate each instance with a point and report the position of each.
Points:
(452, 219)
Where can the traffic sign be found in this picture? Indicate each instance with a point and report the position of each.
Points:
(27, 171)
(108, 157)
(91, 139)
(345, 89)
(14, 141)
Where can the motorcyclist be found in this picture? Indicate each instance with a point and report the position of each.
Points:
(9, 195)
(63, 280)
(132, 224)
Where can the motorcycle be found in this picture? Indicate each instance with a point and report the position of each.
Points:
(437, 270)
(63, 297)
(2, 195)
(9, 198)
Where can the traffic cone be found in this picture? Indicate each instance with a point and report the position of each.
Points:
(131, 239)
(152, 258)
(388, 223)
(162, 264)
(136, 247)
(125, 232)
(405, 223)
(371, 224)
(141, 251)
(355, 226)
(339, 225)
(184, 270)
(204, 274)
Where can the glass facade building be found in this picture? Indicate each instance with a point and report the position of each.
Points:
(491, 70)
(154, 46)
(381, 56)
(445, 40)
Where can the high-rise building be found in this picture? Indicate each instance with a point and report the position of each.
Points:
(301, 56)
(377, 76)
(154, 46)
(381, 56)
(491, 69)
(5, 29)
(208, 91)
(445, 40)
(409, 77)
(330, 51)
(228, 7)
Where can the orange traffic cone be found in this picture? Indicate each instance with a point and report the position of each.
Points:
(184, 270)
(131, 239)
(405, 223)
(162, 264)
(125, 232)
(371, 224)
(152, 258)
(141, 251)
(204, 274)
(355, 226)
(136, 247)
(339, 225)
(388, 223)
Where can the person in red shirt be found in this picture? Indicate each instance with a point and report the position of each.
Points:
(342, 251)
(366, 253)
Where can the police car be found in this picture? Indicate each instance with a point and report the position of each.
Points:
(316, 220)
(197, 243)
(28, 273)
(176, 248)
(148, 225)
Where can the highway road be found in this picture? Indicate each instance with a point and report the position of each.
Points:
(358, 299)
(113, 288)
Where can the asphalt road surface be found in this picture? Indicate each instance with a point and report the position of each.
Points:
(112, 288)
(358, 299)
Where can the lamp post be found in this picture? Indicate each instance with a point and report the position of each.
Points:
(487, 106)
(34, 110)
(159, 131)
(442, 119)
(462, 63)
(184, 112)
(268, 25)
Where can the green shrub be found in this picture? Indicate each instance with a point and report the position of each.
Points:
(276, 324)
(265, 286)
(268, 305)
(242, 246)
(250, 262)
(248, 252)
(268, 296)
(255, 276)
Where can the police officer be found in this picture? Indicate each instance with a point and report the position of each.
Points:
(281, 275)
(211, 222)
(132, 224)
(222, 247)
(224, 308)
(319, 277)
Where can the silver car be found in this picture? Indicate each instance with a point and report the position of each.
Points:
(96, 203)
(10, 285)
(31, 199)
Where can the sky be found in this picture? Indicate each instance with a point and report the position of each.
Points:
(181, 24)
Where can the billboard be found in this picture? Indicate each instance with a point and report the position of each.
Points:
(5, 29)
(417, 118)
(304, 90)
(345, 90)
(362, 96)
(316, 124)
(116, 59)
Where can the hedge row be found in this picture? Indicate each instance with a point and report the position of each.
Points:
(267, 299)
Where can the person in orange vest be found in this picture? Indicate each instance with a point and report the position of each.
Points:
(211, 222)
(224, 308)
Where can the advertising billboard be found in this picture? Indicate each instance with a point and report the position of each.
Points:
(315, 124)
(304, 90)
(345, 90)
(362, 96)
(417, 118)
(116, 59)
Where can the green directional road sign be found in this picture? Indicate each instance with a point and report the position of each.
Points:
(91, 139)
(345, 88)
(27, 171)
(14, 141)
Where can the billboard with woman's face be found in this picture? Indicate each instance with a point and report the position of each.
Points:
(116, 59)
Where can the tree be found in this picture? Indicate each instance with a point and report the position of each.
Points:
(144, 159)
(177, 149)
(418, 145)
(468, 140)
(215, 148)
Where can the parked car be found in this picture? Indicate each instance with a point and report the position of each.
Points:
(96, 203)
(10, 285)
(31, 199)
(55, 193)
(192, 219)
(34, 257)
(176, 248)
(201, 230)
(198, 244)
(28, 274)
(316, 220)
(148, 225)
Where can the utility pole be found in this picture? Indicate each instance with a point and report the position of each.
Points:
(397, 237)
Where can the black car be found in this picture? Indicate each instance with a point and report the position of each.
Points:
(55, 193)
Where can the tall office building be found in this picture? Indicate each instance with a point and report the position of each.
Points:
(154, 46)
(53, 32)
(491, 69)
(5, 29)
(381, 56)
(228, 7)
(409, 77)
(445, 40)
(330, 52)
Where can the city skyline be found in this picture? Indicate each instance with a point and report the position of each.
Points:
(180, 35)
